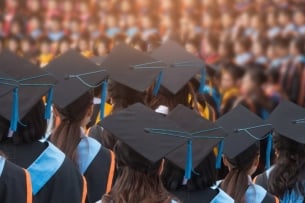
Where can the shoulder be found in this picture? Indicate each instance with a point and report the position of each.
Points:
(256, 193)
(222, 197)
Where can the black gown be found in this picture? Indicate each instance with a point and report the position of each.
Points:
(14, 180)
(97, 164)
(54, 177)
(200, 196)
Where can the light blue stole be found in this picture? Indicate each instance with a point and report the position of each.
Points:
(87, 150)
(45, 166)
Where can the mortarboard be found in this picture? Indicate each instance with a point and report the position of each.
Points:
(244, 129)
(132, 68)
(129, 126)
(76, 75)
(193, 122)
(182, 66)
(27, 82)
(288, 119)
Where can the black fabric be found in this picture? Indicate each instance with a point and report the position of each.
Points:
(12, 182)
(196, 196)
(269, 199)
(262, 180)
(97, 175)
(65, 186)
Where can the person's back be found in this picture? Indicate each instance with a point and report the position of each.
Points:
(14, 179)
(52, 174)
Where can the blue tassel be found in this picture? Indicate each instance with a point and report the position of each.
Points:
(15, 111)
(189, 161)
(202, 81)
(47, 114)
(219, 155)
(158, 83)
(103, 99)
(268, 151)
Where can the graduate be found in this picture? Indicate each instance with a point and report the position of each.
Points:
(285, 178)
(203, 176)
(140, 155)
(176, 86)
(14, 179)
(73, 106)
(246, 129)
(23, 126)
(129, 79)
(229, 86)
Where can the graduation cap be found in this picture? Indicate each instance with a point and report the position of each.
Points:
(288, 119)
(182, 66)
(244, 129)
(193, 122)
(132, 68)
(76, 75)
(130, 124)
(22, 83)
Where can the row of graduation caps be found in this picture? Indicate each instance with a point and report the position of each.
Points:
(182, 133)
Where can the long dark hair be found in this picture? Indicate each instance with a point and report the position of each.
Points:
(138, 179)
(289, 171)
(31, 128)
(172, 176)
(236, 182)
(68, 134)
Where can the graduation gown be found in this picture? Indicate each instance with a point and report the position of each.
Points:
(256, 194)
(52, 174)
(14, 180)
(97, 164)
(289, 196)
(208, 195)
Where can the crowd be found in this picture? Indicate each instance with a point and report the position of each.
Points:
(166, 101)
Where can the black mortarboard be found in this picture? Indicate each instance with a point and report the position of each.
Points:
(191, 121)
(5, 86)
(129, 126)
(182, 66)
(29, 84)
(132, 68)
(244, 129)
(288, 119)
(98, 60)
(76, 75)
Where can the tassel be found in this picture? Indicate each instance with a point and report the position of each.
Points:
(189, 161)
(47, 114)
(158, 83)
(219, 155)
(103, 99)
(15, 111)
(268, 151)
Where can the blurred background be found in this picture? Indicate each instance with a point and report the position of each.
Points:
(268, 33)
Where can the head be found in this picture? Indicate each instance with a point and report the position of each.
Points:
(242, 45)
(230, 76)
(297, 47)
(138, 179)
(289, 170)
(253, 80)
(240, 167)
(76, 115)
(285, 17)
(281, 46)
(204, 178)
(34, 127)
(299, 17)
